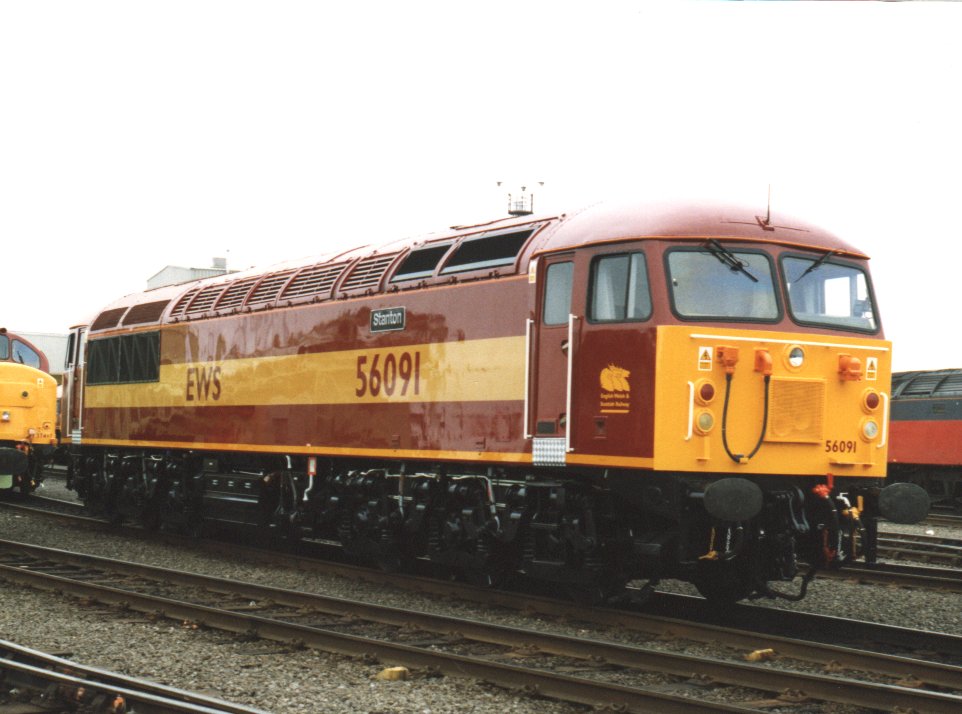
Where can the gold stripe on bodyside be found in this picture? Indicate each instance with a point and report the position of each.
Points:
(470, 371)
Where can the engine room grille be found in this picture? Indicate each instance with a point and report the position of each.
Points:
(205, 299)
(108, 319)
(368, 272)
(181, 305)
(317, 280)
(268, 288)
(796, 410)
(235, 294)
(145, 312)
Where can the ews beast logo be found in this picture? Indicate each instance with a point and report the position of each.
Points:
(615, 390)
(203, 384)
(615, 379)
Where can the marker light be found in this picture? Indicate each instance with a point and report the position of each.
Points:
(869, 429)
(5, 416)
(704, 422)
(705, 391)
(796, 357)
(871, 400)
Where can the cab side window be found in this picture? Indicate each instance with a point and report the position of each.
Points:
(619, 288)
(557, 293)
(4, 347)
(25, 355)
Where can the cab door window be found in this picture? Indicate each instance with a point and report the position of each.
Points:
(557, 293)
(619, 288)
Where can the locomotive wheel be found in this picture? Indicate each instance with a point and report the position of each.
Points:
(723, 581)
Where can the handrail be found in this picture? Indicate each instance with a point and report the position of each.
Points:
(571, 362)
(527, 378)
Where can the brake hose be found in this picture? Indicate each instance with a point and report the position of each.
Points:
(737, 458)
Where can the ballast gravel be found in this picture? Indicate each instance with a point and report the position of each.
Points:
(280, 678)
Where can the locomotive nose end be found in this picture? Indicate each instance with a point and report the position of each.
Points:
(733, 499)
(904, 503)
(12, 461)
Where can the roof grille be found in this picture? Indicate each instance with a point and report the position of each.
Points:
(145, 312)
(205, 298)
(935, 383)
(181, 305)
(235, 294)
(317, 280)
(951, 386)
(368, 272)
(108, 319)
(268, 288)
(922, 385)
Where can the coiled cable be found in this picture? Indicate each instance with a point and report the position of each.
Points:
(737, 458)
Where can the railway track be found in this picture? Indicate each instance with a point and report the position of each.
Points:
(41, 682)
(944, 519)
(510, 657)
(894, 545)
(921, 548)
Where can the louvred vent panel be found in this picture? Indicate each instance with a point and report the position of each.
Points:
(235, 294)
(317, 280)
(268, 288)
(368, 272)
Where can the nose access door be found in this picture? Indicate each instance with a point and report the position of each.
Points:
(552, 356)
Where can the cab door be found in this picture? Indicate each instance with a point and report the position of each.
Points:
(548, 422)
(71, 401)
(615, 359)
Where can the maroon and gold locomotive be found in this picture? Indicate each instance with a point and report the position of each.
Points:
(589, 398)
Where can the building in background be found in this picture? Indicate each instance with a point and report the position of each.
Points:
(174, 274)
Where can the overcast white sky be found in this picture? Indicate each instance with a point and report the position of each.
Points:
(135, 135)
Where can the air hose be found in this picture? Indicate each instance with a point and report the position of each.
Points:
(740, 458)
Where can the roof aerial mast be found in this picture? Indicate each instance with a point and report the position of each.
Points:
(522, 205)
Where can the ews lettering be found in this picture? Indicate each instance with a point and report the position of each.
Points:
(203, 383)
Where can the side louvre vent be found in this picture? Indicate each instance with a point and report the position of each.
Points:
(108, 319)
(268, 288)
(145, 312)
(317, 280)
(205, 299)
(181, 305)
(235, 294)
(368, 272)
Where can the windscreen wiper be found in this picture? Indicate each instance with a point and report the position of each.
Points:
(816, 264)
(728, 258)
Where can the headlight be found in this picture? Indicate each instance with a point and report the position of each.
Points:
(796, 357)
(704, 422)
(869, 429)
(5, 416)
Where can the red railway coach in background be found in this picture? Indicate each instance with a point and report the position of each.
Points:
(927, 433)
(589, 398)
